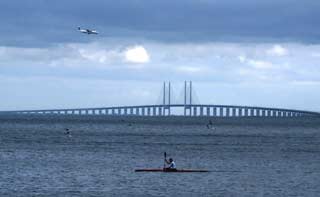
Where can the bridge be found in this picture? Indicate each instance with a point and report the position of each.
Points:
(188, 108)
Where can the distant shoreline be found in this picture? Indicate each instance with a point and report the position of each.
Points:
(174, 120)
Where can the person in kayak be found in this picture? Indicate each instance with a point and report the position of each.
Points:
(172, 165)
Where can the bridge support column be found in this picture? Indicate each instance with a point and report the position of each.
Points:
(228, 112)
(160, 111)
(208, 111)
(130, 112)
(195, 111)
(148, 111)
(154, 111)
(234, 112)
(246, 114)
(143, 111)
(201, 111)
(125, 111)
(214, 113)
(220, 111)
(251, 112)
(284, 114)
(240, 112)
(275, 113)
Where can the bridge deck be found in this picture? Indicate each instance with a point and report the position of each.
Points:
(167, 110)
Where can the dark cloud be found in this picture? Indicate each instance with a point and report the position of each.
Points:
(42, 22)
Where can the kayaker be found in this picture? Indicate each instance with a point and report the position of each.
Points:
(171, 163)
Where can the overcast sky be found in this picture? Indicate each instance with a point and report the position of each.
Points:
(244, 52)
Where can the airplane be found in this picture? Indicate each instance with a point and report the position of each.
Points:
(87, 31)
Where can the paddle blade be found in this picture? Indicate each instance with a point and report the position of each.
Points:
(165, 154)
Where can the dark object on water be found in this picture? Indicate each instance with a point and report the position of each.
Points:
(209, 125)
(167, 170)
(67, 132)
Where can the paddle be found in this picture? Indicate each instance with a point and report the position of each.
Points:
(164, 161)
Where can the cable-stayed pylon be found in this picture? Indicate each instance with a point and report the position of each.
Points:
(166, 97)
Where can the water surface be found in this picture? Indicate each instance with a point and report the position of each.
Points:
(246, 158)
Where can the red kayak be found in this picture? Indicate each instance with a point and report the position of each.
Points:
(168, 170)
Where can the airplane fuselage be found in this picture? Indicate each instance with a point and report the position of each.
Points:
(87, 31)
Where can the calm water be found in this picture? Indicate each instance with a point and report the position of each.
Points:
(37, 158)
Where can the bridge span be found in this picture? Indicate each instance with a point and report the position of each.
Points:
(166, 110)
(188, 108)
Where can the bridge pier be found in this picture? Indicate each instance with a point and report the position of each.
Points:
(233, 112)
(240, 112)
(154, 111)
(143, 111)
(220, 111)
(208, 111)
(268, 113)
(188, 110)
(264, 114)
(148, 111)
(125, 111)
(227, 112)
(214, 111)
(160, 111)
(194, 111)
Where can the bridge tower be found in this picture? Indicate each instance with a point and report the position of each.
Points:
(166, 98)
(187, 101)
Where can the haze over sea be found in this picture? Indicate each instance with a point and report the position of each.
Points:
(246, 157)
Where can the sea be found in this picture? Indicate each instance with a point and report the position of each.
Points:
(60, 155)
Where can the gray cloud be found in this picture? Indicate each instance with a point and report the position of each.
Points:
(41, 23)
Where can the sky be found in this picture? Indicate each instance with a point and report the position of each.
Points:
(244, 52)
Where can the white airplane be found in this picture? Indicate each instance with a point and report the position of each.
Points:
(87, 31)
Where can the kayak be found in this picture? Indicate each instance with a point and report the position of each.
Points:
(166, 170)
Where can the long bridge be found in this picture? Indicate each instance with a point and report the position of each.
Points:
(168, 109)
